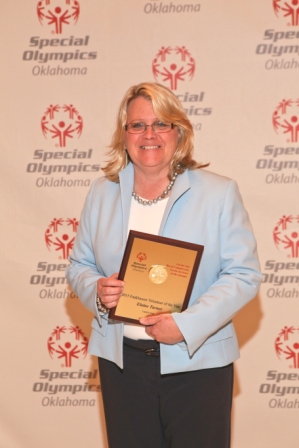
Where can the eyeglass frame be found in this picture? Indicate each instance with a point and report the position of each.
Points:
(147, 125)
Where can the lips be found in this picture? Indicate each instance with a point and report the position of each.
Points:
(150, 147)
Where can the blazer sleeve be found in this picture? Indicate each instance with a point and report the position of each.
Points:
(83, 273)
(237, 282)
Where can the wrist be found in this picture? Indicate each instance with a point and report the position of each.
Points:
(101, 307)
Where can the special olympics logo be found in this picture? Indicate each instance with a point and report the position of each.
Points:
(141, 256)
(61, 122)
(172, 65)
(285, 119)
(289, 9)
(67, 343)
(60, 235)
(287, 345)
(58, 13)
(286, 235)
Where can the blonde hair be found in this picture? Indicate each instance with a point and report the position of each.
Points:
(167, 108)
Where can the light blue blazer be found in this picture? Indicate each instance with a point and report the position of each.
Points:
(203, 208)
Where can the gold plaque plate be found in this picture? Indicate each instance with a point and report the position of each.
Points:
(159, 274)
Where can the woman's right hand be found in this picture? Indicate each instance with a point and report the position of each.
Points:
(109, 290)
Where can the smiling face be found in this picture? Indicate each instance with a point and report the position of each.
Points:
(150, 152)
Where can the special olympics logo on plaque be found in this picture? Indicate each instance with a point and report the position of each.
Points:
(287, 345)
(285, 119)
(61, 123)
(286, 235)
(141, 256)
(172, 65)
(58, 13)
(67, 344)
(287, 9)
(60, 235)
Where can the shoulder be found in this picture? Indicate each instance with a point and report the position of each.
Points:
(102, 183)
(213, 189)
(100, 193)
(103, 186)
(202, 178)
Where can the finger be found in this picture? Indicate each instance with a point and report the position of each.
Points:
(107, 298)
(111, 282)
(113, 279)
(110, 305)
(111, 300)
(149, 331)
(115, 276)
(105, 289)
(151, 320)
(110, 291)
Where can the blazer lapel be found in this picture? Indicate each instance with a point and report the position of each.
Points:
(126, 180)
(181, 185)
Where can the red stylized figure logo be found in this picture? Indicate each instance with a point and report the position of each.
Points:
(141, 256)
(172, 65)
(58, 13)
(285, 119)
(286, 235)
(287, 345)
(61, 122)
(67, 344)
(288, 9)
(60, 235)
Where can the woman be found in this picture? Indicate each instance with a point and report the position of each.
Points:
(181, 396)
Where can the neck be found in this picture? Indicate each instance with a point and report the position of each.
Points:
(150, 185)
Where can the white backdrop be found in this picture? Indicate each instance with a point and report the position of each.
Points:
(65, 67)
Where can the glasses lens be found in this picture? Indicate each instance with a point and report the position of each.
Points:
(136, 128)
(159, 126)
(139, 127)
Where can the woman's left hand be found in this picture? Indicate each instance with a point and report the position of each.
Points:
(162, 328)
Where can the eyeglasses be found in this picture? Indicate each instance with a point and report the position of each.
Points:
(140, 128)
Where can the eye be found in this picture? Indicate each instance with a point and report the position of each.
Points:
(161, 125)
(137, 125)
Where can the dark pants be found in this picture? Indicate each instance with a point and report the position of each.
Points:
(145, 409)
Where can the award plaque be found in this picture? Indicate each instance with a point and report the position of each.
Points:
(159, 274)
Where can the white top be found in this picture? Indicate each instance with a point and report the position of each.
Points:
(147, 219)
